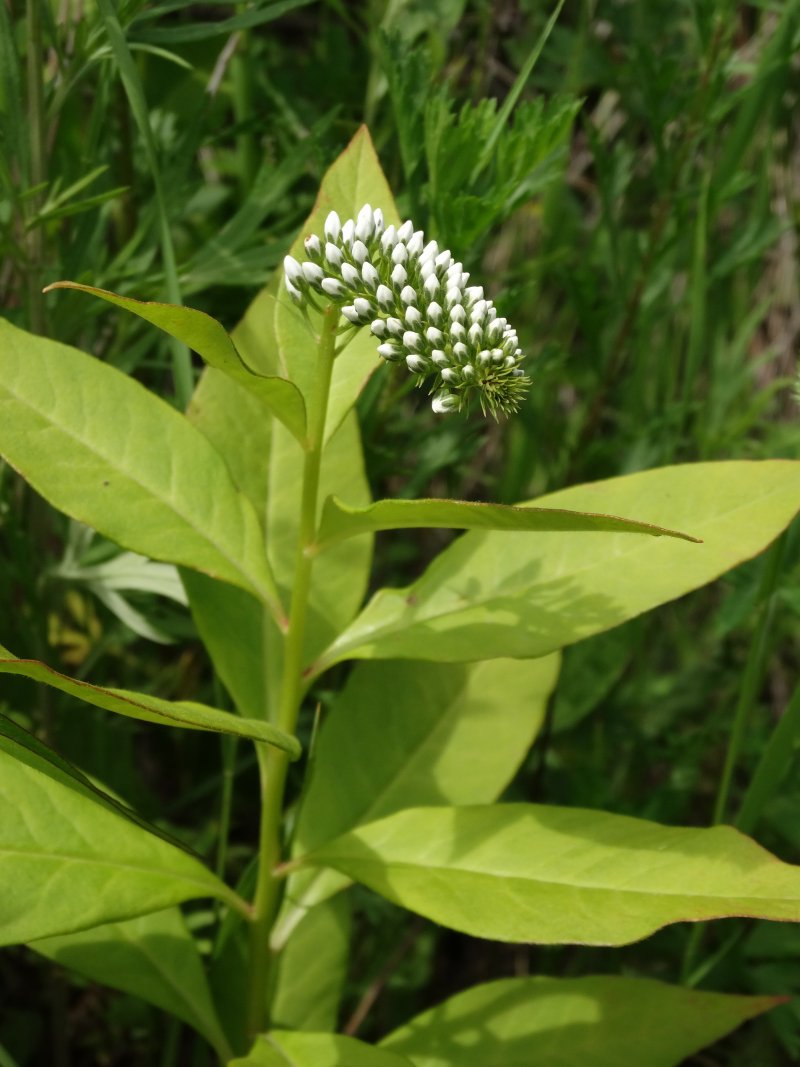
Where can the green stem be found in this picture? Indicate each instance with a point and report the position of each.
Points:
(35, 68)
(273, 764)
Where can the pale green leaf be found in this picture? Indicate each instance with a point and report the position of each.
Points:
(340, 520)
(495, 594)
(405, 734)
(181, 713)
(312, 969)
(520, 872)
(572, 1022)
(209, 339)
(152, 957)
(282, 1048)
(101, 448)
(67, 863)
(353, 180)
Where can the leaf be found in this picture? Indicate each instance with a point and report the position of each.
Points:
(183, 713)
(446, 734)
(512, 595)
(524, 872)
(209, 340)
(152, 957)
(353, 180)
(101, 448)
(572, 1022)
(67, 863)
(312, 969)
(199, 31)
(340, 520)
(283, 1048)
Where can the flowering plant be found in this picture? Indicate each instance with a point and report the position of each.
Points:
(258, 495)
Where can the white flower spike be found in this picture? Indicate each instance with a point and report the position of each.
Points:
(389, 279)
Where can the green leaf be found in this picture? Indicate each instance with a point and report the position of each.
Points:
(199, 31)
(152, 957)
(209, 340)
(101, 448)
(572, 1022)
(353, 180)
(512, 595)
(340, 520)
(312, 969)
(68, 863)
(519, 872)
(182, 713)
(446, 734)
(282, 1048)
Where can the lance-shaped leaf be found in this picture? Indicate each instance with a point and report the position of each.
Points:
(353, 180)
(498, 594)
(209, 339)
(152, 957)
(100, 447)
(552, 875)
(572, 1022)
(340, 520)
(182, 713)
(284, 1048)
(68, 863)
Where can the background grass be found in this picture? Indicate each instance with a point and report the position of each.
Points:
(631, 196)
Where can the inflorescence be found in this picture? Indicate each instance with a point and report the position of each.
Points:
(418, 305)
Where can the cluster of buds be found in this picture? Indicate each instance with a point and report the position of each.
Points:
(417, 303)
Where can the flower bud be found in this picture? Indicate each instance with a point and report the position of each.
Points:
(406, 230)
(333, 287)
(434, 335)
(399, 275)
(332, 226)
(431, 285)
(408, 295)
(294, 272)
(350, 313)
(411, 340)
(333, 255)
(390, 351)
(363, 307)
(312, 246)
(395, 326)
(416, 364)
(389, 238)
(444, 402)
(413, 316)
(360, 252)
(399, 253)
(378, 328)
(350, 275)
(370, 275)
(384, 296)
(312, 273)
(348, 232)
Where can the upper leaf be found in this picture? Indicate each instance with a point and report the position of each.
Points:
(572, 1022)
(183, 713)
(513, 594)
(100, 447)
(340, 520)
(552, 875)
(209, 339)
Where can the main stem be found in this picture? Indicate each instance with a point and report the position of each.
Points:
(273, 764)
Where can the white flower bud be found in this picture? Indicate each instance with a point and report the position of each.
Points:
(411, 340)
(365, 223)
(312, 246)
(434, 335)
(389, 238)
(390, 351)
(435, 311)
(384, 296)
(399, 275)
(378, 328)
(360, 252)
(444, 259)
(457, 314)
(416, 243)
(474, 292)
(413, 316)
(395, 326)
(348, 232)
(399, 253)
(475, 334)
(363, 307)
(332, 226)
(484, 357)
(457, 331)
(333, 255)
(312, 273)
(426, 269)
(429, 253)
(468, 370)
(444, 402)
(416, 364)
(460, 350)
(408, 296)
(377, 217)
(405, 231)
(509, 361)
(293, 291)
(350, 275)
(450, 375)
(498, 355)
(453, 295)
(333, 287)
(494, 330)
(294, 272)
(478, 311)
(431, 285)
(370, 275)
(350, 313)
(440, 358)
